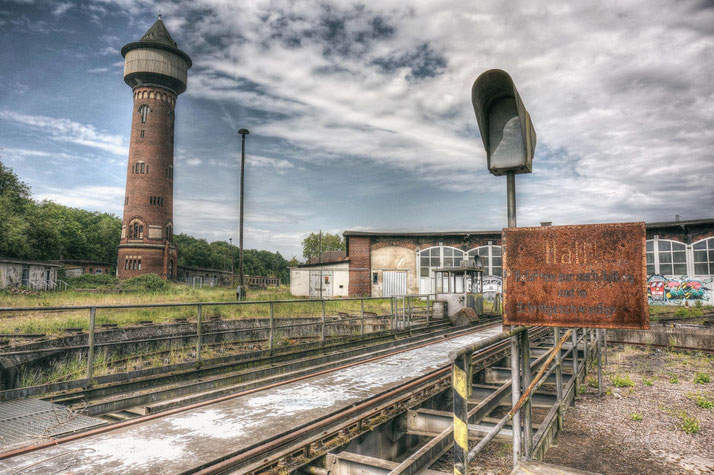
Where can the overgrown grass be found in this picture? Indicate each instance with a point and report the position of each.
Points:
(56, 322)
(690, 424)
(622, 381)
(660, 312)
(702, 400)
(702, 378)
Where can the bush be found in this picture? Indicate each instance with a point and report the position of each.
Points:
(702, 378)
(674, 379)
(647, 382)
(622, 381)
(93, 281)
(636, 416)
(149, 282)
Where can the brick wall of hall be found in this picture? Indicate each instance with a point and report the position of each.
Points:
(359, 255)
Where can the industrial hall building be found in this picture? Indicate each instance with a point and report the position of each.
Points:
(680, 263)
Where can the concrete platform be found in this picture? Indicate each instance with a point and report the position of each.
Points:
(180, 441)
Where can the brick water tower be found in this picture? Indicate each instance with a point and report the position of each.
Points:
(156, 70)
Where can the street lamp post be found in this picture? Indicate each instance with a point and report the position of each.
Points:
(242, 133)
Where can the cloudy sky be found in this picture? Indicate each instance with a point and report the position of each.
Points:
(360, 113)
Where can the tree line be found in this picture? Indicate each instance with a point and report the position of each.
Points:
(48, 231)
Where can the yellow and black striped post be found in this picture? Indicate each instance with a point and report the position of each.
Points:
(461, 386)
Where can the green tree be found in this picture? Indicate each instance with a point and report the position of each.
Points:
(330, 242)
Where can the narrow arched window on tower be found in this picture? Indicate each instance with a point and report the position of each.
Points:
(141, 231)
(144, 111)
(142, 167)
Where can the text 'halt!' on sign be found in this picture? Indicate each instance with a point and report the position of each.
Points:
(576, 276)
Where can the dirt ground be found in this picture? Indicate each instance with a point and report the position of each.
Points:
(641, 428)
(630, 429)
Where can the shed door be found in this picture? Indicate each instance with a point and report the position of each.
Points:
(320, 279)
(394, 283)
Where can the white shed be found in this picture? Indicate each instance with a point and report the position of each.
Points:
(329, 279)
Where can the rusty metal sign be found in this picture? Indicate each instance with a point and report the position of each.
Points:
(576, 276)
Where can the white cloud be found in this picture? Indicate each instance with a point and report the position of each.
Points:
(65, 130)
(621, 90)
(60, 8)
(106, 198)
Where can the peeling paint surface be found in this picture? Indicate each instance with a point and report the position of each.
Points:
(174, 443)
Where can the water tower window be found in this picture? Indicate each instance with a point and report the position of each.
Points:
(144, 111)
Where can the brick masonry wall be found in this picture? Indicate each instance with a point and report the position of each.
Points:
(156, 150)
(423, 242)
(360, 264)
(685, 234)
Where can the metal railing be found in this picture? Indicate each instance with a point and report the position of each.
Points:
(47, 284)
(526, 445)
(403, 310)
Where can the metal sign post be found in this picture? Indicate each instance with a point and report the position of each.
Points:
(509, 139)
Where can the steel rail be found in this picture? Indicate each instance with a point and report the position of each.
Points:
(138, 420)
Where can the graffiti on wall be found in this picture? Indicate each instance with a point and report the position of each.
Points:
(492, 285)
(673, 290)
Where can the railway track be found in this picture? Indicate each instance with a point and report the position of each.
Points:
(126, 400)
(293, 450)
(339, 361)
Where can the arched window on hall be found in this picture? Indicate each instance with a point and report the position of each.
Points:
(144, 111)
(666, 257)
(435, 258)
(171, 268)
(704, 257)
(490, 258)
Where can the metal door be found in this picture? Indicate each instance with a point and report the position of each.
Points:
(394, 283)
(320, 279)
(26, 276)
